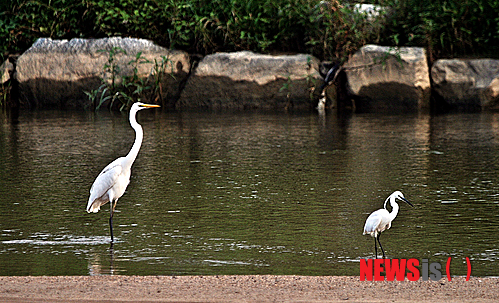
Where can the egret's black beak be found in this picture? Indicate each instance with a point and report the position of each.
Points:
(406, 201)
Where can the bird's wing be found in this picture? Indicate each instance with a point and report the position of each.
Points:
(373, 222)
(104, 181)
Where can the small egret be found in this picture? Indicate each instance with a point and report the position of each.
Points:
(381, 220)
(111, 183)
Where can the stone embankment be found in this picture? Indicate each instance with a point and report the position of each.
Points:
(56, 73)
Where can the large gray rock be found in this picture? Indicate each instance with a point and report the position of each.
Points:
(55, 73)
(243, 80)
(466, 84)
(490, 97)
(385, 78)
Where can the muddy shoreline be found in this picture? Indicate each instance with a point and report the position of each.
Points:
(267, 288)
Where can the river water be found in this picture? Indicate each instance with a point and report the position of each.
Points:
(247, 193)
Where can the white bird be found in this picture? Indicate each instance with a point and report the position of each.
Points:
(111, 183)
(381, 220)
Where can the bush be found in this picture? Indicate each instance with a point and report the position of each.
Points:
(327, 29)
(23, 21)
(467, 28)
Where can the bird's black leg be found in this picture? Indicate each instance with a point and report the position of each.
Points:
(381, 247)
(111, 223)
(375, 248)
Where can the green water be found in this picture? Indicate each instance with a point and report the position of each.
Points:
(247, 193)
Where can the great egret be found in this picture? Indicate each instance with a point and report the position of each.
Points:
(381, 220)
(111, 183)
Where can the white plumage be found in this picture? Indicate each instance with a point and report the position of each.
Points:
(111, 183)
(381, 220)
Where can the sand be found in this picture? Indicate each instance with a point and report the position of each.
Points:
(269, 288)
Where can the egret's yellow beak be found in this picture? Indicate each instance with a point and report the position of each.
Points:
(149, 105)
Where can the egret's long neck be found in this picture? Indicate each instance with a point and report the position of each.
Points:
(139, 134)
(395, 208)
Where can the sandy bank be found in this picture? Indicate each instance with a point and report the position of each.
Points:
(241, 289)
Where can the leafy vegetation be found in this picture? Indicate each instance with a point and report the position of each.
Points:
(326, 29)
(468, 28)
(126, 89)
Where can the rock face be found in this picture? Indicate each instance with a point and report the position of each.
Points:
(5, 70)
(244, 80)
(383, 79)
(466, 84)
(55, 73)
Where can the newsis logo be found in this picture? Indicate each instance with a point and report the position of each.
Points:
(399, 269)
